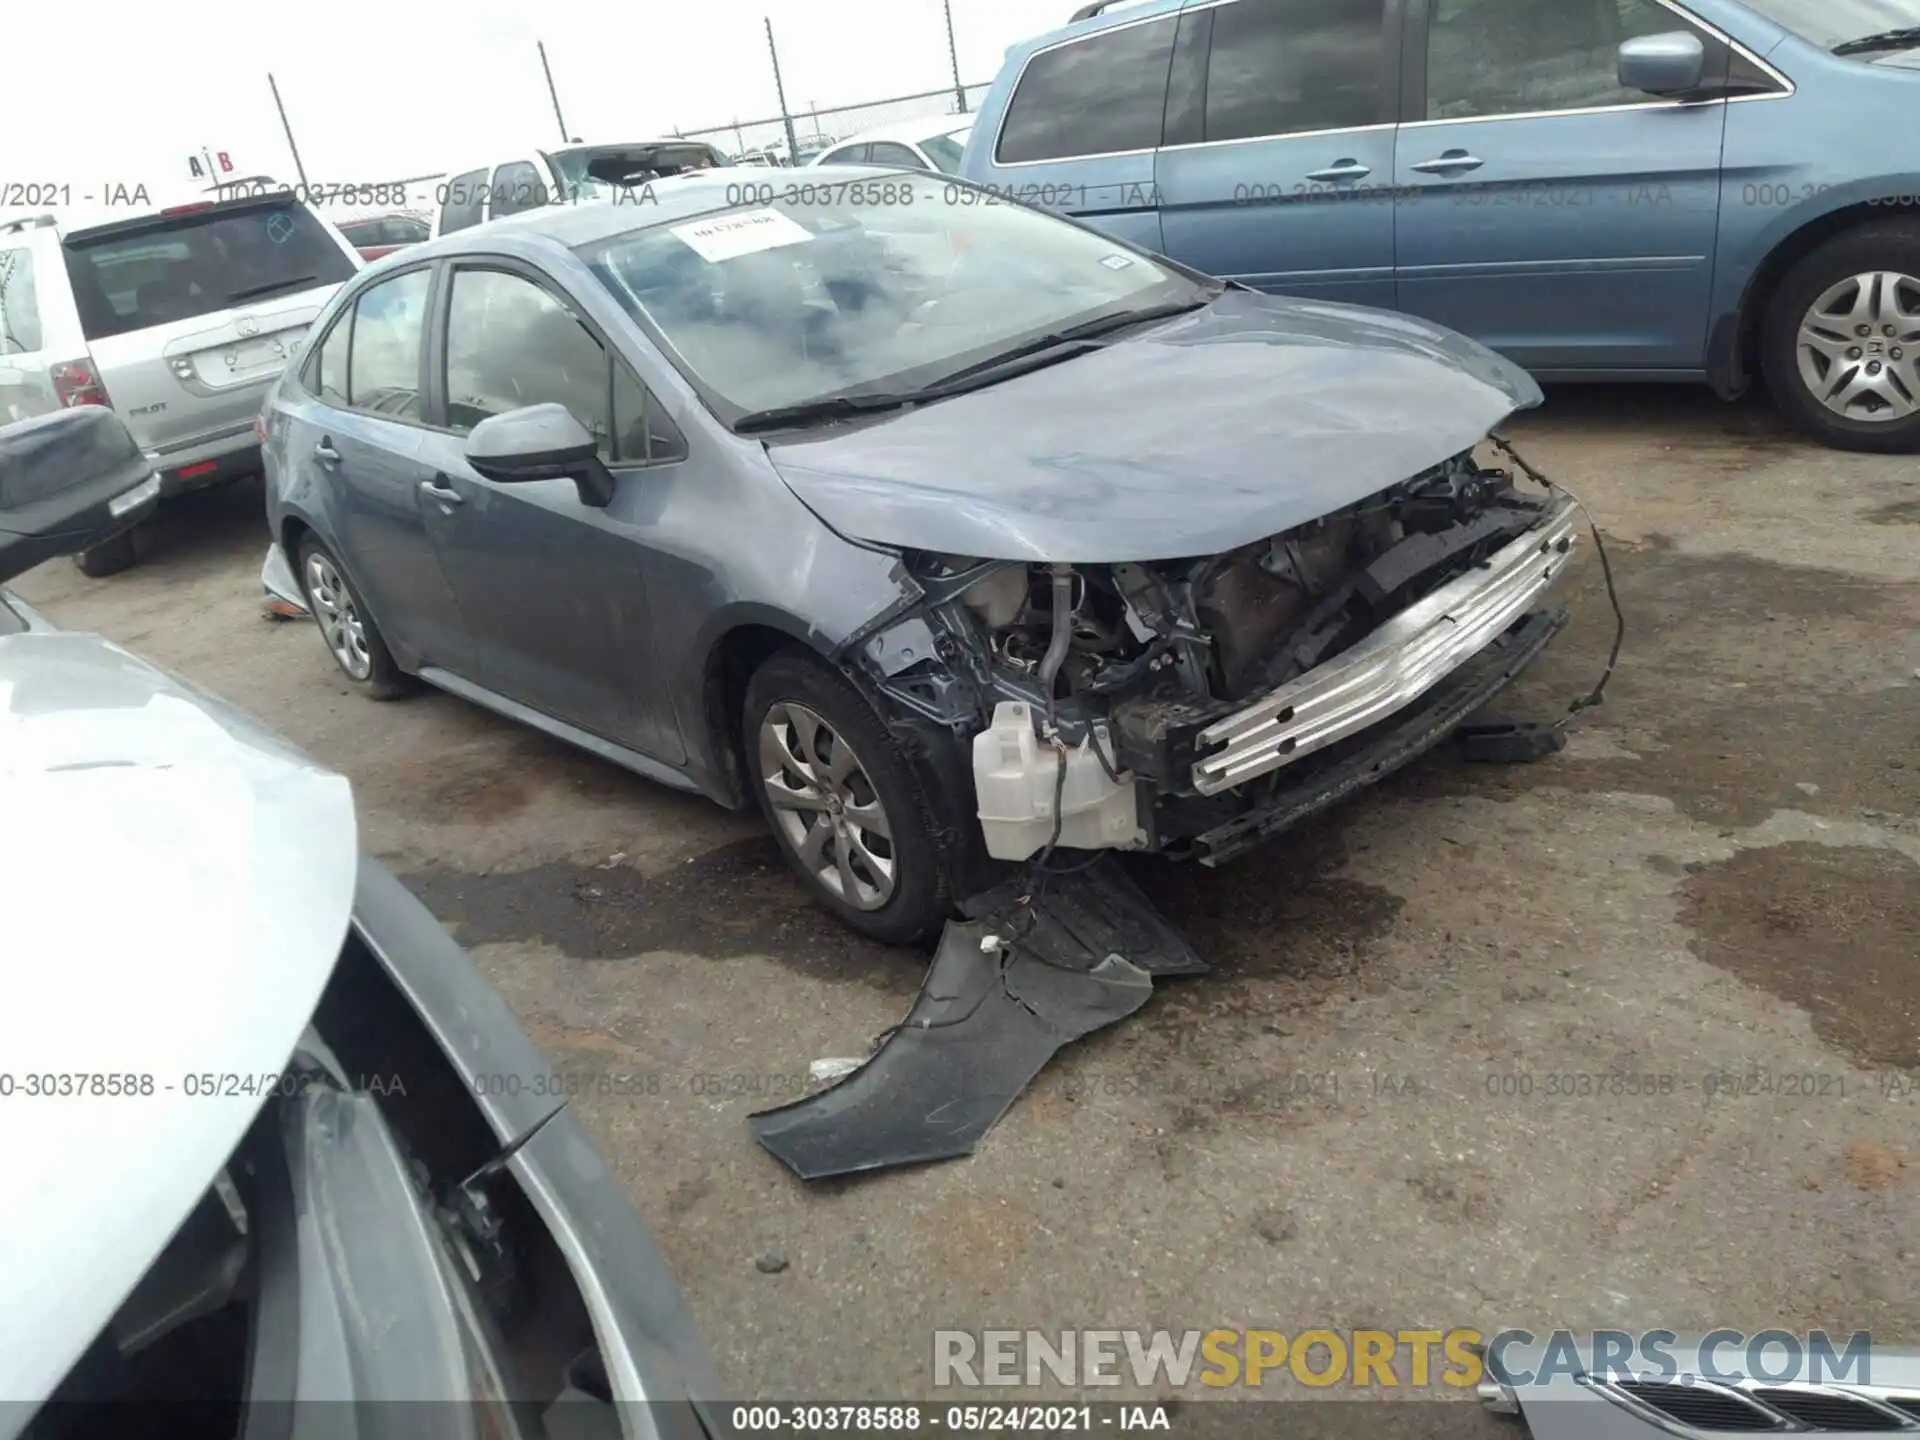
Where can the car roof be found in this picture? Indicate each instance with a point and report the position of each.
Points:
(911, 130)
(660, 202)
(503, 157)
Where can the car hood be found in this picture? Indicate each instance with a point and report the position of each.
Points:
(179, 884)
(1207, 432)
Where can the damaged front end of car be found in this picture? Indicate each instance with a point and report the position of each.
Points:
(1194, 707)
(1190, 707)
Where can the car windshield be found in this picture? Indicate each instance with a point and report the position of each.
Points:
(802, 292)
(128, 277)
(946, 150)
(1828, 23)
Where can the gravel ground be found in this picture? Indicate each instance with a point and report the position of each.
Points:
(1352, 1121)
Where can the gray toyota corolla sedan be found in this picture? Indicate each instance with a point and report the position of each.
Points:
(947, 531)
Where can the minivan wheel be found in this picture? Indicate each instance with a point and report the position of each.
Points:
(1841, 343)
(110, 557)
(842, 801)
(351, 637)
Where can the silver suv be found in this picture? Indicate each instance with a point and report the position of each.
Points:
(178, 318)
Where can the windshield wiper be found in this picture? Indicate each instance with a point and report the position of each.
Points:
(1901, 39)
(1085, 330)
(827, 407)
(252, 290)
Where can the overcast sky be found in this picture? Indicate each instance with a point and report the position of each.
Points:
(404, 87)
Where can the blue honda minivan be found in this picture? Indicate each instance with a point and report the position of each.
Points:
(1599, 189)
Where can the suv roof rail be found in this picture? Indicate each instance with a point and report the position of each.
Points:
(28, 222)
(1098, 7)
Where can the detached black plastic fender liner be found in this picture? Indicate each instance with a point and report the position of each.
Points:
(1077, 952)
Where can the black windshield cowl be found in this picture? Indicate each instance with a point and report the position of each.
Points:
(1096, 328)
(827, 407)
(1902, 39)
(1027, 356)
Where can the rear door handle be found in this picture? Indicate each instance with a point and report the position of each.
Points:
(437, 489)
(1451, 163)
(1343, 170)
(326, 454)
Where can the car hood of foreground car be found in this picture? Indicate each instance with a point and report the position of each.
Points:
(1194, 436)
(179, 882)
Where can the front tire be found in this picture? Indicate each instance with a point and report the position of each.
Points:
(110, 557)
(351, 637)
(842, 801)
(1840, 344)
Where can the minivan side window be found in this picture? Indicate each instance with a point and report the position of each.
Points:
(511, 343)
(460, 201)
(1285, 67)
(1097, 96)
(1520, 57)
(389, 329)
(19, 309)
(517, 187)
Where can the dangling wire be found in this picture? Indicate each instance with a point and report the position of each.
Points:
(1597, 695)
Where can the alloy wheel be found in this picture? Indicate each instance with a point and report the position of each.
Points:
(826, 806)
(339, 617)
(1859, 347)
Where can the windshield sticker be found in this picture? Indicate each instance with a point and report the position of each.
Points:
(1116, 262)
(747, 233)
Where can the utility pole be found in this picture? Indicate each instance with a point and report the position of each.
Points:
(780, 90)
(552, 93)
(953, 56)
(298, 168)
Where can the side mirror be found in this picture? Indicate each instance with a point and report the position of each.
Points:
(69, 481)
(540, 442)
(1671, 65)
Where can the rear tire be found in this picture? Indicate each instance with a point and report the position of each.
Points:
(1811, 346)
(842, 801)
(351, 637)
(110, 557)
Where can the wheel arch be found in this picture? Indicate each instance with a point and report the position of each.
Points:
(740, 644)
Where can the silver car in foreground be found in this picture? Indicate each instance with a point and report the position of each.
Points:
(285, 1144)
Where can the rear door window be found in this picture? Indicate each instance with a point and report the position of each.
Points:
(389, 326)
(517, 187)
(129, 277)
(1286, 67)
(1098, 96)
(460, 201)
(19, 306)
(887, 153)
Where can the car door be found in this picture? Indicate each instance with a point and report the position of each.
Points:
(1542, 208)
(1278, 165)
(552, 588)
(358, 436)
(1080, 128)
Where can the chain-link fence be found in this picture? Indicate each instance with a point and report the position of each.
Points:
(815, 129)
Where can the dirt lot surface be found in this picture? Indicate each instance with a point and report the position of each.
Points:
(1627, 1037)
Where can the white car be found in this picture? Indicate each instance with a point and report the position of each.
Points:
(512, 185)
(934, 144)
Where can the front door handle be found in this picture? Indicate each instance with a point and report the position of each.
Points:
(1342, 170)
(1452, 163)
(437, 489)
(326, 454)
